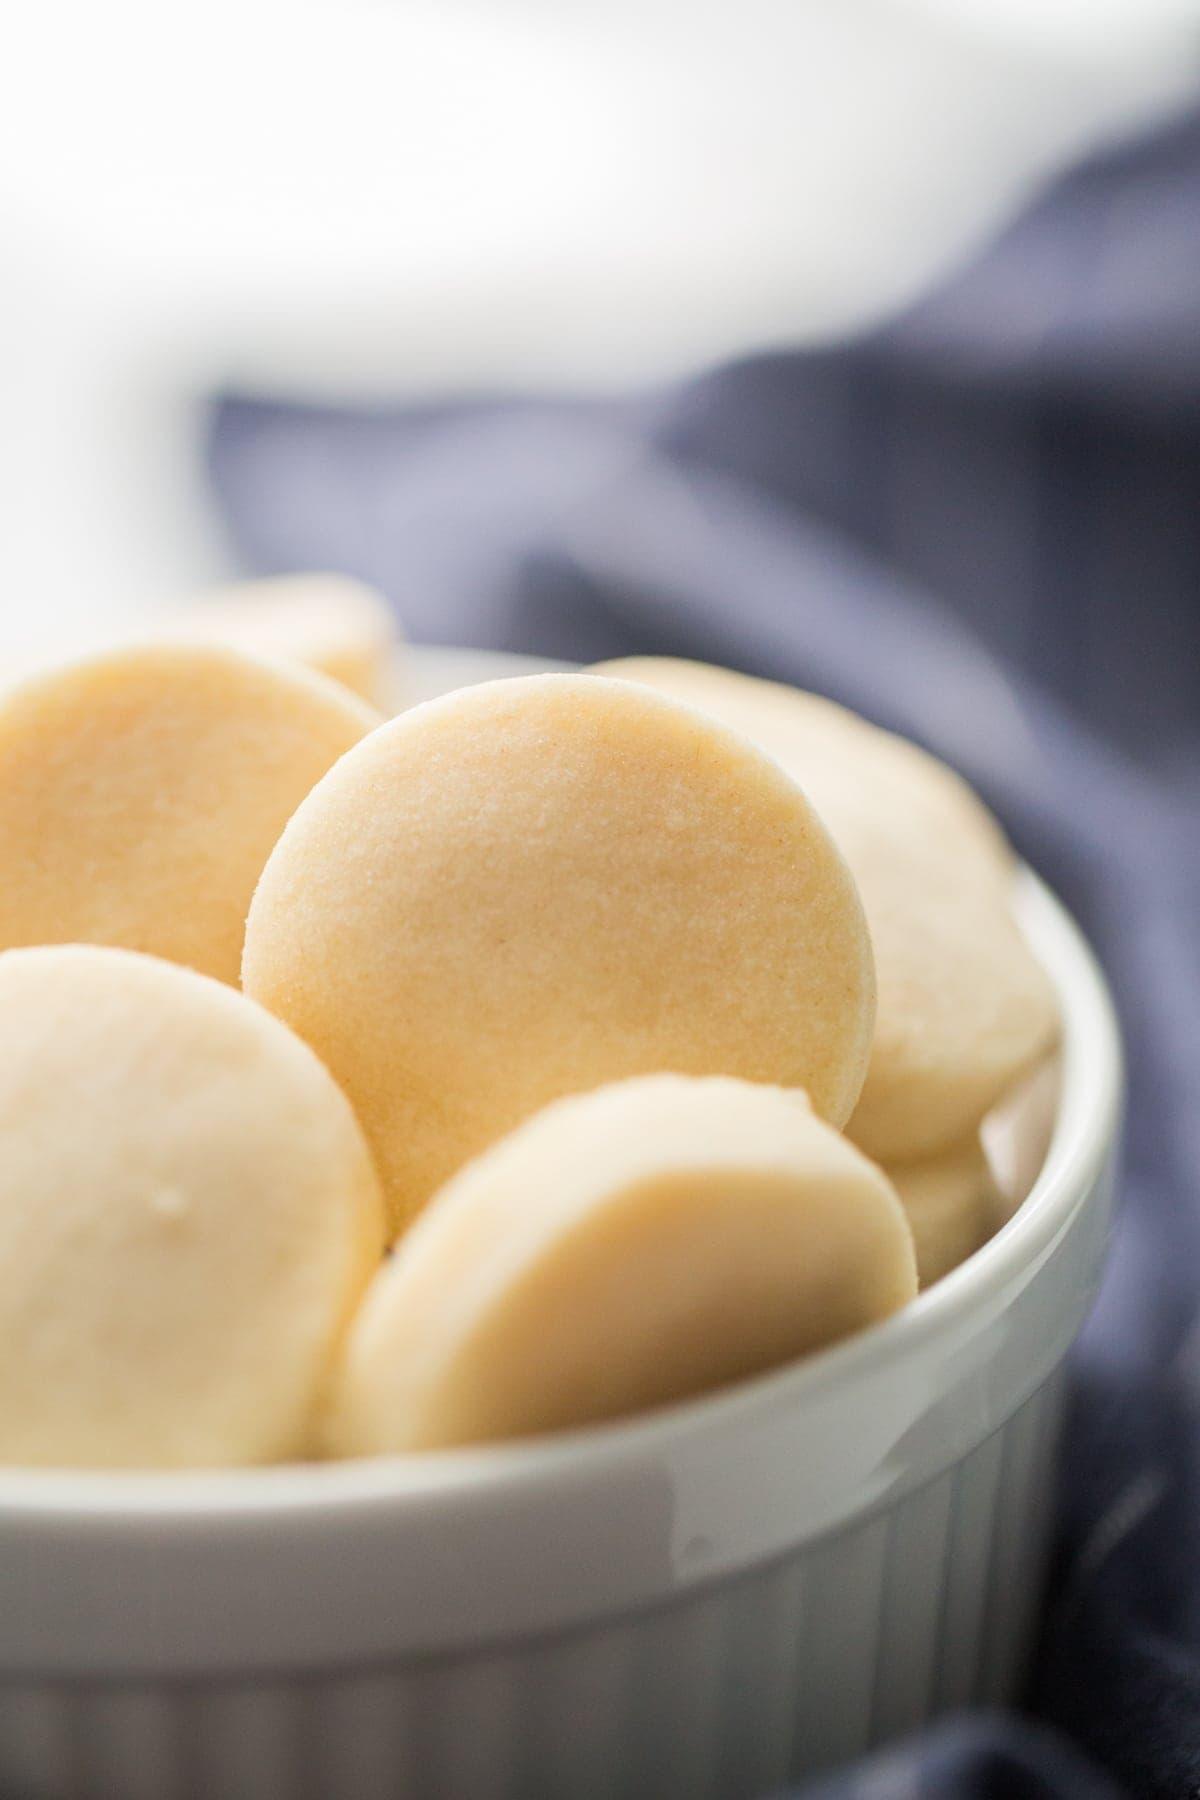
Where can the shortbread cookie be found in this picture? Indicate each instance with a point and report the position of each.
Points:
(843, 757)
(141, 793)
(331, 623)
(188, 1215)
(963, 1005)
(532, 887)
(953, 1207)
(620, 1250)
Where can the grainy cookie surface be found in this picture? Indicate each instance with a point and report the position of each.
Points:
(536, 886)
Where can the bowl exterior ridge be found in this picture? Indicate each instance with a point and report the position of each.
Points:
(729, 1690)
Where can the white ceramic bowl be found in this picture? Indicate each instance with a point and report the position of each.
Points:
(701, 1602)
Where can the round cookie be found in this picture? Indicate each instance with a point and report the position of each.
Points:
(622, 1249)
(188, 1215)
(331, 623)
(963, 1005)
(953, 1207)
(532, 887)
(847, 762)
(141, 792)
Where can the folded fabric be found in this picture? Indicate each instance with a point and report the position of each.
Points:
(979, 526)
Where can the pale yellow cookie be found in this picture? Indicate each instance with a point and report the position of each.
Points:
(622, 1249)
(141, 793)
(953, 1207)
(529, 888)
(848, 764)
(963, 1005)
(188, 1215)
(331, 623)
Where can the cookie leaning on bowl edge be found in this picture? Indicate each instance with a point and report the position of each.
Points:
(622, 1249)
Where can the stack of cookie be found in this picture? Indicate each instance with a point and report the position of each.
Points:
(563, 1047)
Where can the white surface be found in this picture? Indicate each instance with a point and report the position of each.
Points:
(329, 197)
(752, 1583)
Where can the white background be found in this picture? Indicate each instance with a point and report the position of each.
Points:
(395, 198)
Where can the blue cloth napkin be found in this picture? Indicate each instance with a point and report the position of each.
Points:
(980, 525)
